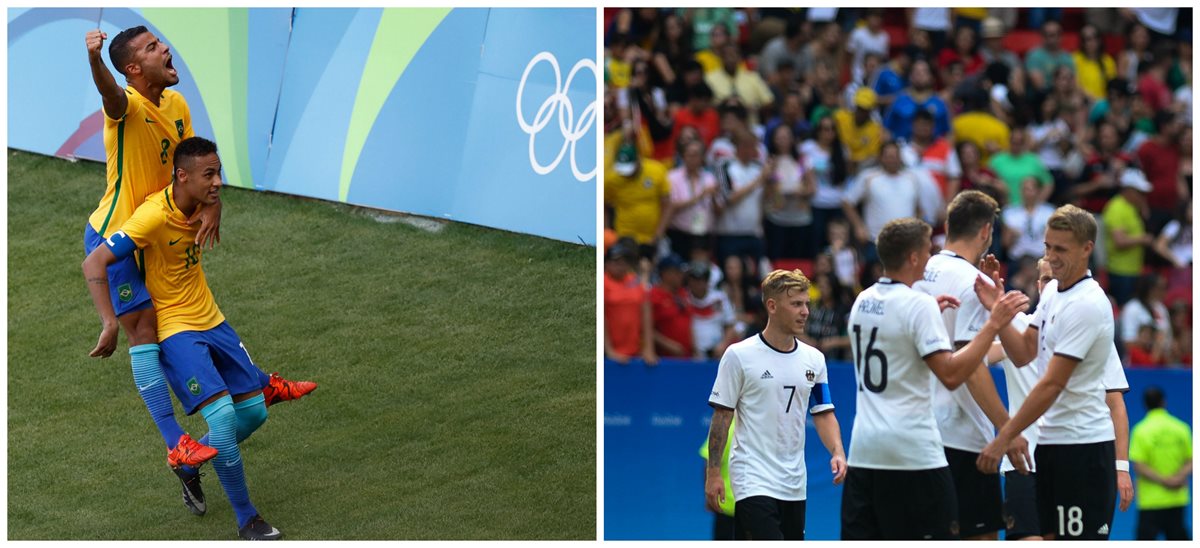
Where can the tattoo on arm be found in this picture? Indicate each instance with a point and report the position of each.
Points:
(97, 280)
(718, 435)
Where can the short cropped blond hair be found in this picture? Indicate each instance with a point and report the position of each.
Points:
(782, 282)
(1072, 219)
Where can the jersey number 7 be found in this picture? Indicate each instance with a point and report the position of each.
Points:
(863, 364)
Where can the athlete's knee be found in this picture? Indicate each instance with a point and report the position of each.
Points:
(221, 418)
(251, 414)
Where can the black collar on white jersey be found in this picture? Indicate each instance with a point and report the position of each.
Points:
(949, 253)
(886, 281)
(1086, 276)
(795, 346)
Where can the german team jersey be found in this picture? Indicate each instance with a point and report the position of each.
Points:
(1021, 380)
(1078, 323)
(171, 259)
(893, 328)
(963, 423)
(139, 146)
(772, 391)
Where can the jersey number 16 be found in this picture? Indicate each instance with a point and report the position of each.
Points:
(862, 361)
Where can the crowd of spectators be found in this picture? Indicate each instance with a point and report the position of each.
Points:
(742, 140)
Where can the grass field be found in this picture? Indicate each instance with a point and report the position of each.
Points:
(457, 374)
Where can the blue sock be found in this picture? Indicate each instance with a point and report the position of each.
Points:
(251, 414)
(152, 386)
(222, 424)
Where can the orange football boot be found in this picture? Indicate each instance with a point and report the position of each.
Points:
(190, 452)
(279, 389)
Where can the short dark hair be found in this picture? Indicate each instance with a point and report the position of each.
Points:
(1163, 118)
(699, 90)
(968, 213)
(734, 107)
(793, 29)
(997, 72)
(923, 114)
(119, 51)
(1153, 397)
(190, 149)
(898, 239)
(1145, 285)
(1119, 86)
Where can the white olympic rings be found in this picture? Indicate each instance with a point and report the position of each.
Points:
(558, 103)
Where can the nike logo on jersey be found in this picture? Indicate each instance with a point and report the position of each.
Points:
(175, 241)
(149, 121)
(767, 375)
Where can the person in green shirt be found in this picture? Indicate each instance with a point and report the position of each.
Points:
(1161, 450)
(724, 527)
(1018, 163)
(1125, 237)
(1044, 60)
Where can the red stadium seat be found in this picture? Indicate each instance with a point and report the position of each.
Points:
(1073, 19)
(805, 265)
(897, 37)
(1101, 277)
(1113, 44)
(1021, 41)
(1070, 41)
(1183, 294)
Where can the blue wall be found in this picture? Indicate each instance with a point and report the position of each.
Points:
(485, 116)
(655, 420)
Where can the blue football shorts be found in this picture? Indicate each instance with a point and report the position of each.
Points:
(126, 283)
(200, 364)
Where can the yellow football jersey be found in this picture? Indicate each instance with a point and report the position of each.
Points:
(139, 147)
(171, 262)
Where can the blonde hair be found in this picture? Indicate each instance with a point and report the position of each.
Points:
(1074, 220)
(782, 282)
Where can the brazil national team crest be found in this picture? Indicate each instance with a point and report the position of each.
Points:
(179, 127)
(810, 375)
(193, 386)
(125, 293)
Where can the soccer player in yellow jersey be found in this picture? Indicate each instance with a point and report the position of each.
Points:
(205, 362)
(143, 123)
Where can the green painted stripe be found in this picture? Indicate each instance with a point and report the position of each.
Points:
(167, 193)
(398, 37)
(218, 61)
(239, 91)
(120, 174)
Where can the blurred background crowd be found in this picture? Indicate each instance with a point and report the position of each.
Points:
(742, 140)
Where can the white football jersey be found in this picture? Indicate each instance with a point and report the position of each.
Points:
(892, 329)
(1114, 373)
(1078, 323)
(1019, 381)
(963, 423)
(771, 392)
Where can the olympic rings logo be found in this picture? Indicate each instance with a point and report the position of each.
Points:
(558, 104)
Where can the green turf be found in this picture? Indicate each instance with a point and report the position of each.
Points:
(457, 374)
